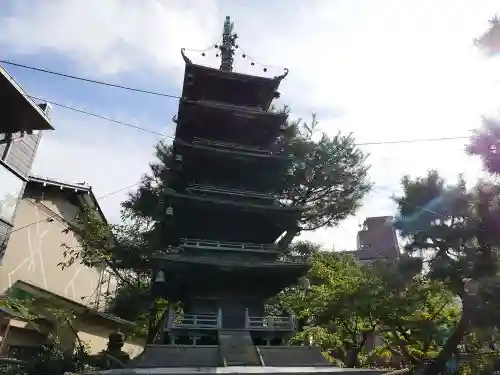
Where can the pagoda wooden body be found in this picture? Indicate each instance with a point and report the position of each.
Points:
(223, 214)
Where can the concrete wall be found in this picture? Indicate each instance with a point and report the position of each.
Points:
(36, 247)
(97, 340)
(22, 152)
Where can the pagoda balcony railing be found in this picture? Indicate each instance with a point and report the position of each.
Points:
(198, 321)
(271, 323)
(219, 245)
(250, 109)
(216, 322)
(231, 145)
(221, 190)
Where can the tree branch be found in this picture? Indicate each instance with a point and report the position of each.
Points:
(439, 363)
(404, 349)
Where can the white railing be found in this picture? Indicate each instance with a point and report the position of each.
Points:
(214, 322)
(200, 321)
(218, 245)
(271, 323)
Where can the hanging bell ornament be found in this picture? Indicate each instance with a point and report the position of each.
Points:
(244, 56)
(216, 46)
(217, 55)
(265, 69)
(160, 277)
(203, 54)
(252, 63)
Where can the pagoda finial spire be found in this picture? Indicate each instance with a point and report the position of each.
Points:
(227, 46)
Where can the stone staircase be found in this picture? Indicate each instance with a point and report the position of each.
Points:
(237, 349)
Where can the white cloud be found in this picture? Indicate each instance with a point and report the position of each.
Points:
(112, 36)
(393, 70)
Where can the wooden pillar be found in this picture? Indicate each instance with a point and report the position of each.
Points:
(169, 317)
(247, 319)
(219, 318)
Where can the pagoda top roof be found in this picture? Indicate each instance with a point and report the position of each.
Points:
(224, 85)
(202, 69)
(205, 83)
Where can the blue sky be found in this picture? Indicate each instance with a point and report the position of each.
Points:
(384, 70)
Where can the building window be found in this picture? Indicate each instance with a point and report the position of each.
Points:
(10, 190)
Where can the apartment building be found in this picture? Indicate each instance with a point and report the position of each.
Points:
(377, 239)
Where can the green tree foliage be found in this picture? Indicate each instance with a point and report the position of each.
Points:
(329, 176)
(49, 358)
(348, 306)
(453, 228)
(413, 312)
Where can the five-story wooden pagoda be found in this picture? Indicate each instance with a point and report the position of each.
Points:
(223, 216)
(222, 212)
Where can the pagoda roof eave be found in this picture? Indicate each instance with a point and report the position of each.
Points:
(202, 82)
(228, 122)
(236, 151)
(230, 107)
(203, 274)
(227, 202)
(220, 262)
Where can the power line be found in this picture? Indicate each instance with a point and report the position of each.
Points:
(41, 70)
(88, 80)
(102, 117)
(415, 140)
(49, 218)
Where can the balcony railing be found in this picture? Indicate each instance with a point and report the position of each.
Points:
(215, 322)
(231, 146)
(235, 246)
(271, 323)
(198, 321)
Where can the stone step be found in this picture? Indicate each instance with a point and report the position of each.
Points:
(237, 348)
